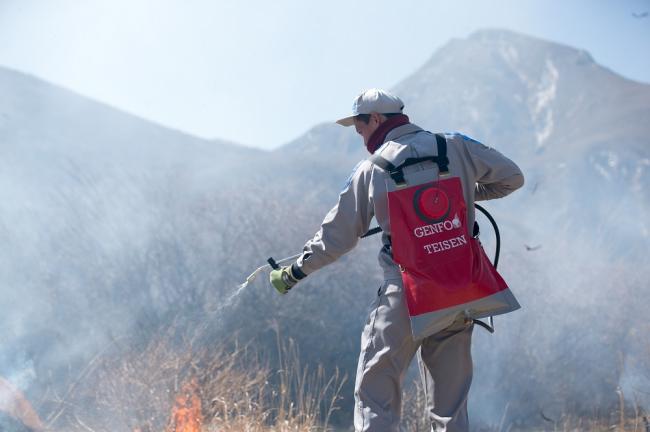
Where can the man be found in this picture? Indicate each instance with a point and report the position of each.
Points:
(405, 156)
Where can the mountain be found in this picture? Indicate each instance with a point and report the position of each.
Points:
(577, 128)
(114, 226)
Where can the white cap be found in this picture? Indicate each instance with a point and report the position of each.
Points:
(373, 100)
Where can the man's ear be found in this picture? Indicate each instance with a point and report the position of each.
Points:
(379, 118)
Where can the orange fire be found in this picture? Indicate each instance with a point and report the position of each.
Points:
(14, 403)
(186, 413)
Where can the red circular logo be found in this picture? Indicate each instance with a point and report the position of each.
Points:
(432, 204)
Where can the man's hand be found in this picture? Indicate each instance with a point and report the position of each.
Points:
(283, 279)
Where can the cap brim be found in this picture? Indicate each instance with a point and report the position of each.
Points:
(348, 121)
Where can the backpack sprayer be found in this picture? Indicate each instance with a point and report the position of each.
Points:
(275, 264)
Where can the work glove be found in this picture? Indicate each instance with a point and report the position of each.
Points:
(283, 279)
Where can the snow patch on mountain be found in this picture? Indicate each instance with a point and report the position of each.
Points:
(511, 57)
(640, 173)
(542, 101)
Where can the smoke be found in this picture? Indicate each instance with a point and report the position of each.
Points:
(635, 379)
(113, 228)
(96, 254)
(65, 237)
(582, 330)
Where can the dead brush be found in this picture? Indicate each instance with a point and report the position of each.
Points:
(414, 406)
(158, 387)
(291, 397)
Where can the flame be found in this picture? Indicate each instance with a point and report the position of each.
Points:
(14, 403)
(186, 414)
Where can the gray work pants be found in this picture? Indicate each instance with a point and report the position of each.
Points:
(387, 348)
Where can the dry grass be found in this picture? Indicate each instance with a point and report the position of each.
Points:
(143, 389)
(235, 389)
(414, 408)
(624, 418)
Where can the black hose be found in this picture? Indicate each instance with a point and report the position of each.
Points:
(372, 232)
(496, 232)
(490, 327)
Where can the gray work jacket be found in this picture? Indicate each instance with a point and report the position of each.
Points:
(484, 173)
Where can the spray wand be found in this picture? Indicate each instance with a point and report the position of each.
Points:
(272, 263)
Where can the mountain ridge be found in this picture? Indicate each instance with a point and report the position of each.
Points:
(525, 106)
(44, 89)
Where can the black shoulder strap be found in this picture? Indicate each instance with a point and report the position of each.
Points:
(381, 162)
(397, 173)
(443, 160)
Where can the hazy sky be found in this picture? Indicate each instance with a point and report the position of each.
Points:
(261, 73)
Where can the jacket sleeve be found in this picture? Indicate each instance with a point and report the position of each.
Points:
(496, 175)
(348, 220)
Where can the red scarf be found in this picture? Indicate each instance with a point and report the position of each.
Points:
(377, 138)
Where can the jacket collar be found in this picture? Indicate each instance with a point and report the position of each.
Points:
(401, 131)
